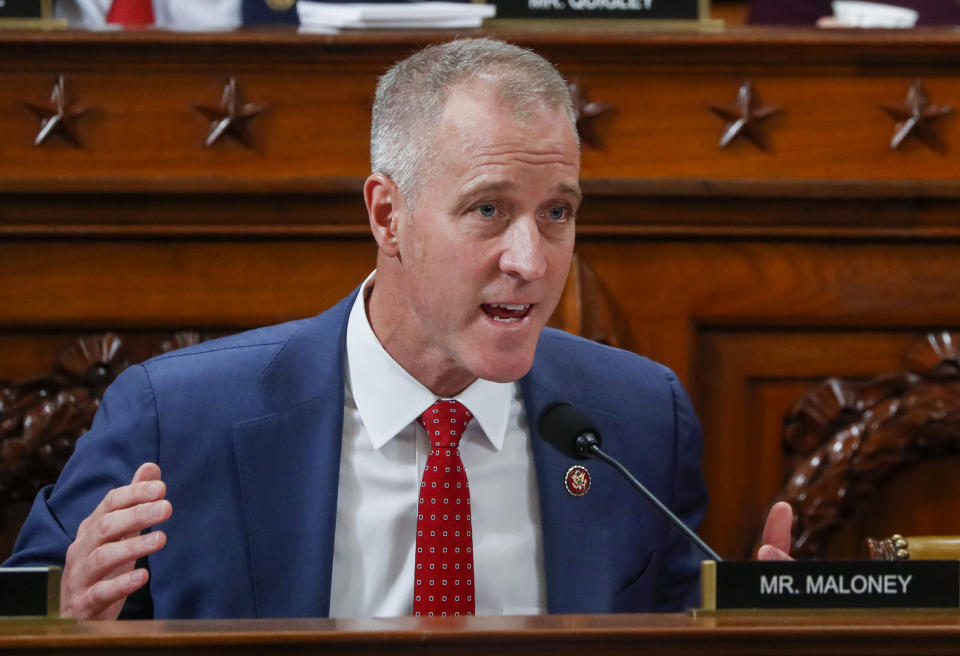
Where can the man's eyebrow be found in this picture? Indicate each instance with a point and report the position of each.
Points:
(505, 185)
(572, 190)
(488, 187)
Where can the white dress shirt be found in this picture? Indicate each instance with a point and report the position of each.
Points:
(187, 15)
(382, 457)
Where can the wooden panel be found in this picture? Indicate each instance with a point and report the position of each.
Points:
(144, 129)
(776, 282)
(748, 382)
(120, 283)
(829, 128)
(130, 131)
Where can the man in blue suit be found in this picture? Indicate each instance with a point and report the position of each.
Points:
(291, 456)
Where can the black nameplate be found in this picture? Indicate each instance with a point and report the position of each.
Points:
(831, 584)
(29, 591)
(21, 9)
(659, 9)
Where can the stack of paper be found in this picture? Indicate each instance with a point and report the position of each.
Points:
(852, 13)
(391, 15)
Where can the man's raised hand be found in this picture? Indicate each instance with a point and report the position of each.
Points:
(776, 533)
(100, 572)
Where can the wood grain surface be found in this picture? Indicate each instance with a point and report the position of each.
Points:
(744, 633)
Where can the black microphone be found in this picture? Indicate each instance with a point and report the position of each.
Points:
(574, 435)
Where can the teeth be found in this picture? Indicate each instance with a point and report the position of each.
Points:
(510, 306)
(510, 320)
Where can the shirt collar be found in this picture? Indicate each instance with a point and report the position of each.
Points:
(389, 399)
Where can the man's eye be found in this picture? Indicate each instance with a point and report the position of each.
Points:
(557, 213)
(487, 210)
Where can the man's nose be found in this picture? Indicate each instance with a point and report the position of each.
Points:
(523, 254)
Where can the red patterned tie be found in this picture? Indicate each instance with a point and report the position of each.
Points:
(444, 565)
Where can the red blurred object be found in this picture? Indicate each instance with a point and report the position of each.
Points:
(131, 13)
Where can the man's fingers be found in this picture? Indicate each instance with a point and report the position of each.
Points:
(101, 596)
(144, 486)
(122, 523)
(113, 556)
(131, 495)
(148, 471)
(776, 532)
(99, 569)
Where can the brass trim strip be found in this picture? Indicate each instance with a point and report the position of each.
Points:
(33, 23)
(703, 20)
(604, 24)
(708, 585)
(53, 591)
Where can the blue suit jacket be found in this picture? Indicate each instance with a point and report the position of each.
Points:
(247, 432)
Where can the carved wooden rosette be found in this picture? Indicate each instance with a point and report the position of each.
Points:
(41, 418)
(849, 438)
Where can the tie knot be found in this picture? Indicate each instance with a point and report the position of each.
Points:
(445, 422)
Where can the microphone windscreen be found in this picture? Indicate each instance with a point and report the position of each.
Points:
(561, 424)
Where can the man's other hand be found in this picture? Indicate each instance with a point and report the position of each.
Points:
(99, 572)
(775, 543)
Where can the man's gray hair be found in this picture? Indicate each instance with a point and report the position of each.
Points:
(411, 96)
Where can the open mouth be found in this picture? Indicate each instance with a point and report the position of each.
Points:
(507, 312)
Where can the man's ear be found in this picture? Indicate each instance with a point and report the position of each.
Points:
(385, 206)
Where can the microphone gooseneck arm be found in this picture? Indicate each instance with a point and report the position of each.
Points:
(591, 448)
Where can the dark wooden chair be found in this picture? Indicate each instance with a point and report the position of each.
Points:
(875, 456)
(42, 417)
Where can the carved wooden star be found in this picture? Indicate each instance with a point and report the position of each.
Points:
(914, 117)
(586, 111)
(231, 117)
(58, 116)
(744, 117)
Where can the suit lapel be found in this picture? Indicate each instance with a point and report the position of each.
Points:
(289, 464)
(577, 546)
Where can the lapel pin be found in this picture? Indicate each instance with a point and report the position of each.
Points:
(577, 480)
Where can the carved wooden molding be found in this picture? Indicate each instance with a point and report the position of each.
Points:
(230, 118)
(851, 437)
(915, 116)
(41, 418)
(744, 116)
(58, 117)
